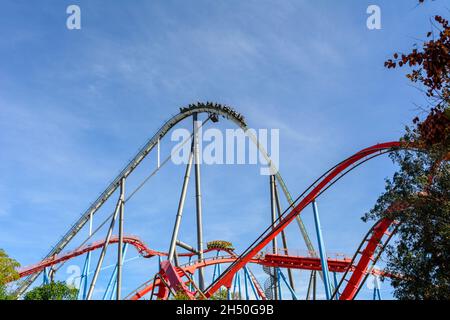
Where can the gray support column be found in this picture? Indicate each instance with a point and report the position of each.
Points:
(198, 201)
(103, 253)
(310, 284)
(158, 161)
(314, 285)
(175, 258)
(274, 241)
(273, 211)
(283, 235)
(186, 247)
(176, 227)
(120, 244)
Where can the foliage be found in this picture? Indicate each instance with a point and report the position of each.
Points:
(181, 295)
(222, 294)
(421, 253)
(8, 268)
(58, 290)
(430, 64)
(8, 273)
(219, 295)
(5, 294)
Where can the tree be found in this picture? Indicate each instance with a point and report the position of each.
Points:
(5, 294)
(8, 273)
(431, 63)
(222, 294)
(58, 290)
(180, 295)
(421, 253)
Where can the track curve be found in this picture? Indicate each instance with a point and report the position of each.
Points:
(270, 260)
(136, 242)
(322, 184)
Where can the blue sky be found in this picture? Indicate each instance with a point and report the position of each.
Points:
(76, 105)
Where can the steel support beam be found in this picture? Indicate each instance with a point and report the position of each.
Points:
(376, 289)
(376, 294)
(252, 285)
(82, 291)
(322, 252)
(45, 277)
(314, 285)
(336, 285)
(111, 289)
(198, 200)
(310, 283)
(239, 286)
(175, 258)
(274, 241)
(187, 247)
(236, 280)
(215, 268)
(120, 244)
(105, 247)
(291, 290)
(247, 296)
(176, 227)
(283, 235)
(280, 293)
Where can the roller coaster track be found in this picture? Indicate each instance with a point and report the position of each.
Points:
(137, 243)
(173, 281)
(238, 262)
(208, 108)
(367, 255)
(376, 239)
(170, 278)
(267, 260)
(56, 259)
(306, 198)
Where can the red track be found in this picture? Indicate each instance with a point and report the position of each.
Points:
(227, 276)
(134, 241)
(307, 263)
(271, 260)
(360, 270)
(140, 246)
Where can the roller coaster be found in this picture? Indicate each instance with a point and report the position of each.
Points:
(175, 280)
